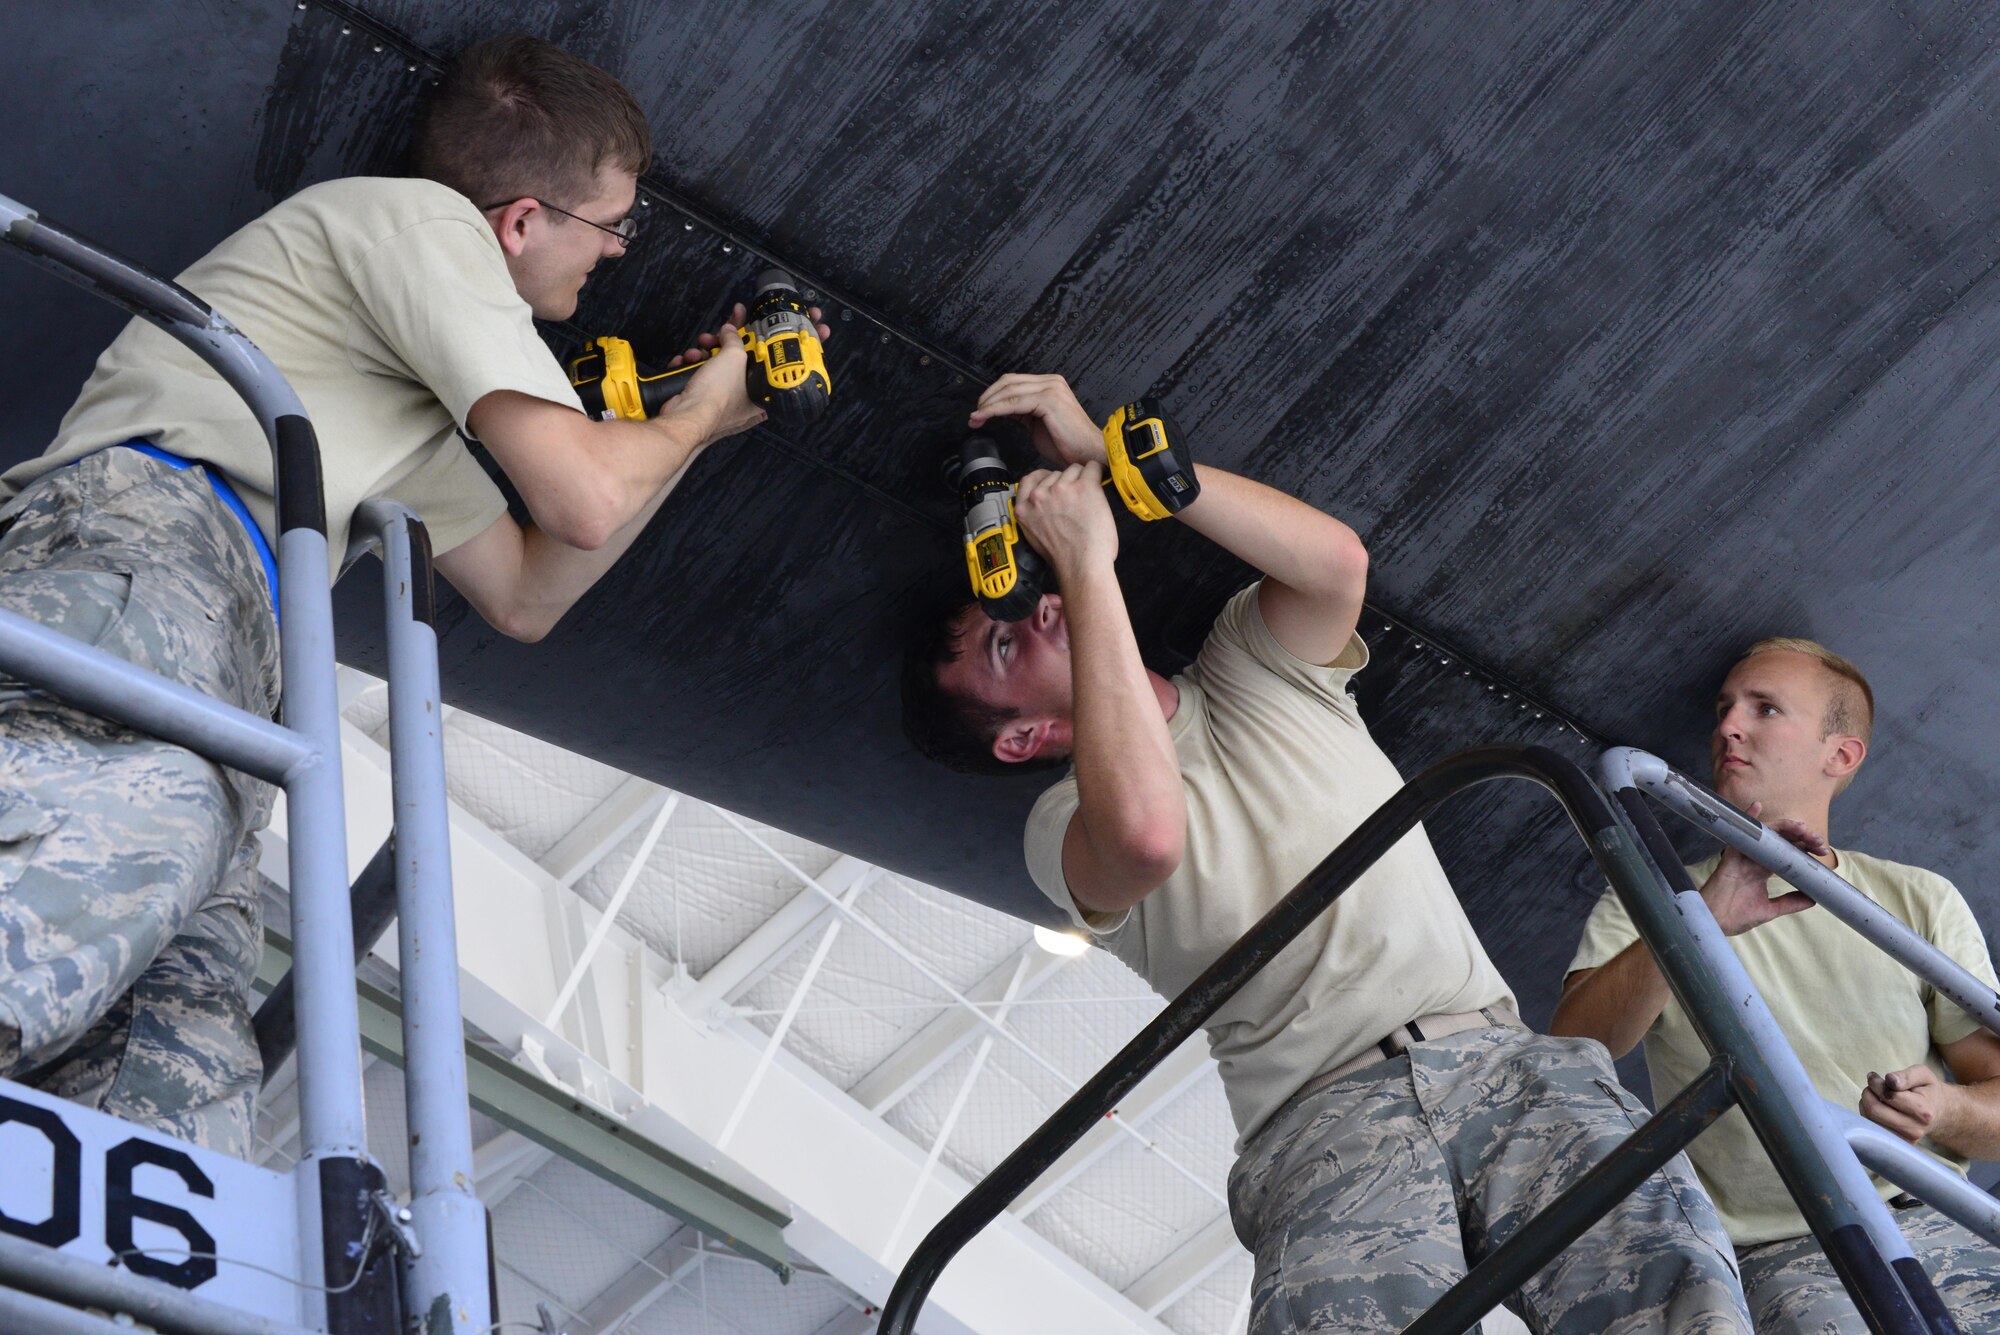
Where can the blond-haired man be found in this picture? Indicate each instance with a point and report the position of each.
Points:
(1792, 726)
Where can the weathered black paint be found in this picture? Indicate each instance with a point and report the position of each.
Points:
(1624, 335)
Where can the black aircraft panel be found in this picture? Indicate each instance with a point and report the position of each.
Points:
(1624, 337)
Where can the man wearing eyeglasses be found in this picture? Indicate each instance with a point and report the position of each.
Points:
(402, 311)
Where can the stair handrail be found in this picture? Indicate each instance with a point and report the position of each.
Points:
(1739, 1075)
(1709, 811)
(301, 753)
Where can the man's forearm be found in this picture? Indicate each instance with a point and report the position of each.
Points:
(1128, 780)
(555, 575)
(1315, 568)
(585, 481)
(1970, 1124)
(641, 462)
(1615, 1004)
(1292, 542)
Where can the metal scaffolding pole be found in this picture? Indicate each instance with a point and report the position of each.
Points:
(336, 1180)
(445, 1280)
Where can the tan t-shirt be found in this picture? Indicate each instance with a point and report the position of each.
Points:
(387, 305)
(1278, 768)
(1847, 1008)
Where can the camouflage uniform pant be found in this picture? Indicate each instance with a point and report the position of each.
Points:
(129, 920)
(1364, 1201)
(1793, 1290)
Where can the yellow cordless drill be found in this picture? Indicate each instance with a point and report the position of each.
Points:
(787, 376)
(787, 361)
(1151, 469)
(1008, 575)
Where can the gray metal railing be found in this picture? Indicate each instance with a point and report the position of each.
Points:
(1627, 767)
(339, 1189)
(1849, 1144)
(1874, 1265)
(447, 1278)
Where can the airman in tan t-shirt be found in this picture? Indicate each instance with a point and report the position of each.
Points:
(402, 313)
(1394, 1116)
(1793, 724)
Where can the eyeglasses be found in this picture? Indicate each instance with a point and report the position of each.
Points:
(626, 229)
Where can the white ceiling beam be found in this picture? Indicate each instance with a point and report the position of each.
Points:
(771, 941)
(641, 1286)
(1187, 1265)
(776, 1042)
(1182, 1069)
(843, 1173)
(612, 908)
(944, 1131)
(948, 1034)
(612, 821)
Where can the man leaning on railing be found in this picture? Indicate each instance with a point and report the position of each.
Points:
(1397, 1121)
(1792, 725)
(402, 312)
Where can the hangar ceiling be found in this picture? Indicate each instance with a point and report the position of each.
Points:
(1623, 337)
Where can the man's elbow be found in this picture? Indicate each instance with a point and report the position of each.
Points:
(1579, 1014)
(1568, 1022)
(1335, 571)
(1565, 1023)
(583, 521)
(1137, 870)
(1354, 559)
(1152, 854)
(523, 625)
(1347, 566)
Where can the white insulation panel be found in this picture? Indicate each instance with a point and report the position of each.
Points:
(565, 1238)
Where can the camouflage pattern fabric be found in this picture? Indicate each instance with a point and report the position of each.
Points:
(129, 921)
(1364, 1201)
(1793, 1290)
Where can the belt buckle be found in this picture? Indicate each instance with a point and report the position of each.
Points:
(1399, 1041)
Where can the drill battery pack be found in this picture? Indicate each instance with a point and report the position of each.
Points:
(1151, 465)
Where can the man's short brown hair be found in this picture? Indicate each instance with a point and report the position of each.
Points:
(1850, 709)
(517, 116)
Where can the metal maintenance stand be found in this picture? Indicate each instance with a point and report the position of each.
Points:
(1846, 1213)
(236, 1249)
(1746, 1071)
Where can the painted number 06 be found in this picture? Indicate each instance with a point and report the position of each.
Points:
(122, 1205)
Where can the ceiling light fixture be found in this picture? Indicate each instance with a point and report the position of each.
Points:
(1060, 943)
